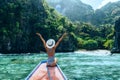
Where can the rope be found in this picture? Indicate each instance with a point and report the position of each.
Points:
(49, 74)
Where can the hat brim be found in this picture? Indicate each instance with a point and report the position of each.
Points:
(51, 46)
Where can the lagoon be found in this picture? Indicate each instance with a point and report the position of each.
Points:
(76, 66)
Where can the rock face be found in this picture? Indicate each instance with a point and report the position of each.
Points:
(111, 11)
(116, 47)
(17, 23)
(21, 19)
(75, 10)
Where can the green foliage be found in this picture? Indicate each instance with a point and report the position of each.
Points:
(80, 42)
(105, 30)
(79, 11)
(21, 19)
(100, 42)
(108, 44)
(90, 44)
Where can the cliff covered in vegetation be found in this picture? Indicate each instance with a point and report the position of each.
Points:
(116, 46)
(104, 18)
(75, 10)
(21, 19)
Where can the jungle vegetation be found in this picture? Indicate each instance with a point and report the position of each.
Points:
(21, 19)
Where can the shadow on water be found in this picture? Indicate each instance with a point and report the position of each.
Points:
(76, 66)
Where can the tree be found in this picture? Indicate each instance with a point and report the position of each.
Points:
(90, 44)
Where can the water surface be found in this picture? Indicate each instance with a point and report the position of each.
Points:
(76, 66)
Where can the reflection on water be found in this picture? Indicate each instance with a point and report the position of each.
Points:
(76, 66)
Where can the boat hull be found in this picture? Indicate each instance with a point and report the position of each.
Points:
(42, 72)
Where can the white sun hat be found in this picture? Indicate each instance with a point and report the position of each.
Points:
(50, 43)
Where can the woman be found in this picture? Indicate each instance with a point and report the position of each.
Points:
(50, 47)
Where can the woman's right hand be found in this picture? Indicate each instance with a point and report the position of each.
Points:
(65, 34)
(38, 34)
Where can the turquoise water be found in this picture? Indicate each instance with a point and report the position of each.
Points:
(75, 66)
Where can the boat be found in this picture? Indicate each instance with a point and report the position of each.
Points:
(42, 72)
